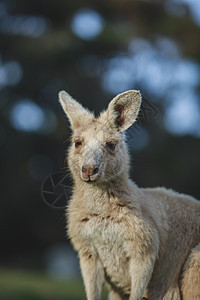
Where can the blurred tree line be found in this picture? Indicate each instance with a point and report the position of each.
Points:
(93, 49)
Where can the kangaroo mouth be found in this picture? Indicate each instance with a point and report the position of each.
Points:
(90, 181)
(89, 178)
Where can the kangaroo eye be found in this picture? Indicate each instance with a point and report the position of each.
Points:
(78, 144)
(111, 145)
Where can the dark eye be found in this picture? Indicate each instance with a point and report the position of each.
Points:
(111, 145)
(78, 144)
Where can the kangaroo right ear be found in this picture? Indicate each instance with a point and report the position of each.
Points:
(123, 109)
(75, 112)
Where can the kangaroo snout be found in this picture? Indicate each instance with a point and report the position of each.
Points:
(89, 172)
(90, 169)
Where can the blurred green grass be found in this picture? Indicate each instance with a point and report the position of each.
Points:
(24, 285)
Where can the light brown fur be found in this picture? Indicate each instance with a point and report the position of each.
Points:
(143, 242)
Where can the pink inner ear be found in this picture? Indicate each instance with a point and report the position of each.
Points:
(120, 118)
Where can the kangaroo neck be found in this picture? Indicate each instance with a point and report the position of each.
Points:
(121, 186)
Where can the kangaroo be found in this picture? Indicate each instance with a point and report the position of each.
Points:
(144, 243)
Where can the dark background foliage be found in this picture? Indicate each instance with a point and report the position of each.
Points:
(94, 50)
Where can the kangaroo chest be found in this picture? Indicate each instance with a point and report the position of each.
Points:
(106, 238)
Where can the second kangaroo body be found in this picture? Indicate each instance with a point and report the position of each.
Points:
(141, 242)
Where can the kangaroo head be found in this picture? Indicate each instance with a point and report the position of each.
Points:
(98, 152)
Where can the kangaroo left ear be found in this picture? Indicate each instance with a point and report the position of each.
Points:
(75, 112)
(123, 109)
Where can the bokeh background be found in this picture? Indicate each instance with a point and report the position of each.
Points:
(94, 50)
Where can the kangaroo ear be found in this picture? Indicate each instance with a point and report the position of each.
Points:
(123, 109)
(75, 112)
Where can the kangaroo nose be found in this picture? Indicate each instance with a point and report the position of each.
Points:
(90, 169)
